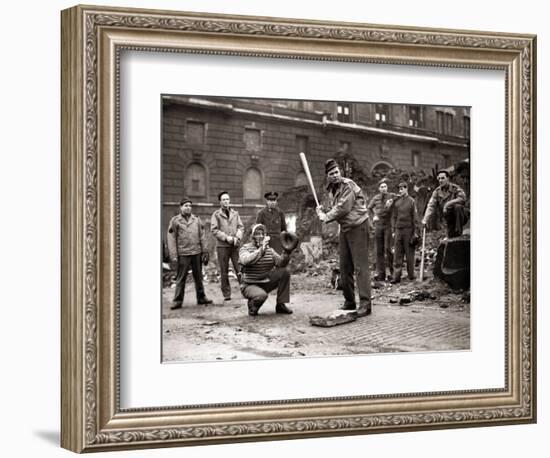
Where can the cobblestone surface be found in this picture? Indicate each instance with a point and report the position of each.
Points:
(224, 331)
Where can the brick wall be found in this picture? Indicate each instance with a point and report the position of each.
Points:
(226, 159)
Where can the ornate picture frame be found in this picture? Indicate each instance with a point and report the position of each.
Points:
(93, 39)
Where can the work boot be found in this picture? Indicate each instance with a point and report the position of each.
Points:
(253, 307)
(175, 307)
(205, 301)
(348, 306)
(282, 308)
(364, 309)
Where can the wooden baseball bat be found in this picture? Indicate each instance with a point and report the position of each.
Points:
(308, 175)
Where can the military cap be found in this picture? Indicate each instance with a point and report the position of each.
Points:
(185, 200)
(221, 194)
(329, 165)
(271, 195)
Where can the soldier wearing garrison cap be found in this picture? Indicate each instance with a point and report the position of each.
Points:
(187, 247)
(273, 219)
(348, 207)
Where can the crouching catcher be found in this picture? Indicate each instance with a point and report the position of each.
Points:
(263, 270)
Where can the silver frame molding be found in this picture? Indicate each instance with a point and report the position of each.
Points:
(92, 40)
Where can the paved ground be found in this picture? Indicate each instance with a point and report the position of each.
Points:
(224, 331)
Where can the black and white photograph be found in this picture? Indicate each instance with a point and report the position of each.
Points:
(310, 228)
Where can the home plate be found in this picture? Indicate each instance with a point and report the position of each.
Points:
(334, 318)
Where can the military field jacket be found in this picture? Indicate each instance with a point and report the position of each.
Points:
(185, 236)
(348, 204)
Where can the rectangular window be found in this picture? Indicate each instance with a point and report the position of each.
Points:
(416, 158)
(448, 128)
(253, 139)
(415, 116)
(195, 132)
(382, 114)
(466, 127)
(439, 116)
(446, 160)
(343, 111)
(302, 144)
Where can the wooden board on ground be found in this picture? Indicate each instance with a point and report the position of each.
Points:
(334, 318)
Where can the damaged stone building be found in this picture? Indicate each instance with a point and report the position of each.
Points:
(250, 146)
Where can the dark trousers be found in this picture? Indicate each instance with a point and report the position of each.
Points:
(403, 248)
(456, 217)
(225, 253)
(257, 292)
(181, 276)
(354, 259)
(383, 250)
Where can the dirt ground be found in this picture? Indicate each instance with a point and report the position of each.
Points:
(436, 319)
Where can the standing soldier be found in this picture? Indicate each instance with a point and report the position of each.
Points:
(404, 223)
(448, 200)
(187, 247)
(380, 213)
(348, 207)
(273, 219)
(227, 227)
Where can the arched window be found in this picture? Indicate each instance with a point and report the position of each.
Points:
(195, 180)
(252, 184)
(381, 169)
(301, 179)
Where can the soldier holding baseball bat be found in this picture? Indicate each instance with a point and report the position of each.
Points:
(348, 207)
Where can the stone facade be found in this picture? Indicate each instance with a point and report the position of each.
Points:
(250, 146)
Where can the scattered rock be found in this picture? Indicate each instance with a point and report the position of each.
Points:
(393, 300)
(334, 318)
(444, 306)
(405, 300)
(211, 323)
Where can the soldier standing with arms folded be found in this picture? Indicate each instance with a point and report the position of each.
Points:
(348, 207)
(187, 247)
(227, 227)
(273, 219)
(405, 224)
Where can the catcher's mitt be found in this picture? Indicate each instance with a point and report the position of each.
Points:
(289, 241)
